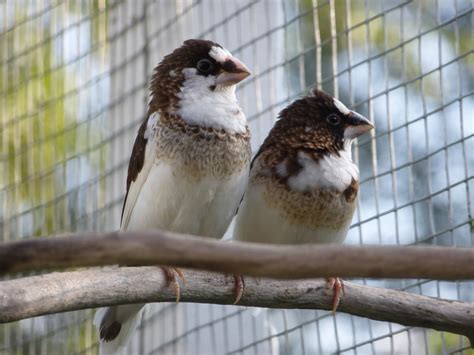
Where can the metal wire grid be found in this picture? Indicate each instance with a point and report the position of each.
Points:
(405, 64)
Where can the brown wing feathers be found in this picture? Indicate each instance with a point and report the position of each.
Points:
(137, 160)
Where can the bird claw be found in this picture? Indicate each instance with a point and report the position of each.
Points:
(336, 284)
(239, 288)
(170, 275)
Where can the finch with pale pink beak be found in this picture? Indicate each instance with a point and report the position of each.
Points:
(190, 162)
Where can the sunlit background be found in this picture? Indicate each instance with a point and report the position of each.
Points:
(73, 81)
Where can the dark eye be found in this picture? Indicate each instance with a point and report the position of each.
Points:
(333, 119)
(205, 66)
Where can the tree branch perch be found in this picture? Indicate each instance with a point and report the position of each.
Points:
(276, 261)
(68, 291)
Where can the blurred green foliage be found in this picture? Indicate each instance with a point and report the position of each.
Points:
(447, 343)
(381, 34)
(33, 138)
(40, 130)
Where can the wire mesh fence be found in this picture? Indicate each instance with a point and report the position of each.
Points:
(73, 83)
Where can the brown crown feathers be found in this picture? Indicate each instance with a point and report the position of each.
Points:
(303, 127)
(168, 77)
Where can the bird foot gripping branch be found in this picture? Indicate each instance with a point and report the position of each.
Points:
(172, 275)
(336, 285)
(239, 287)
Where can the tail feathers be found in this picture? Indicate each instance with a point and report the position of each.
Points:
(116, 326)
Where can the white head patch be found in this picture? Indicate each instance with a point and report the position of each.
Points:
(200, 105)
(341, 107)
(331, 171)
(219, 54)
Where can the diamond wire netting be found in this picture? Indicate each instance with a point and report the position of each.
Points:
(73, 84)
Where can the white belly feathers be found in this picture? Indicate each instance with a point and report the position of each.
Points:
(171, 201)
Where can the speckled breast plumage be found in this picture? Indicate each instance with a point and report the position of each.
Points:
(198, 151)
(317, 208)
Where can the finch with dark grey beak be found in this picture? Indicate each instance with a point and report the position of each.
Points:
(303, 183)
(190, 162)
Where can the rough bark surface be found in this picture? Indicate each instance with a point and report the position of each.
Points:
(66, 291)
(282, 262)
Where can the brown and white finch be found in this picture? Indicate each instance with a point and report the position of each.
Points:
(303, 183)
(190, 163)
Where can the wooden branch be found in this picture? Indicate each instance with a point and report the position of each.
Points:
(67, 291)
(165, 248)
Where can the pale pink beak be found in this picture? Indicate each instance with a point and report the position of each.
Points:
(234, 72)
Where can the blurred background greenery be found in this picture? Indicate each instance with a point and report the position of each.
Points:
(45, 129)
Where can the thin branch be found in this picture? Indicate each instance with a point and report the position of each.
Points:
(68, 291)
(283, 262)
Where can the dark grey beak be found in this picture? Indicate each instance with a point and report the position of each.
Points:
(358, 125)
